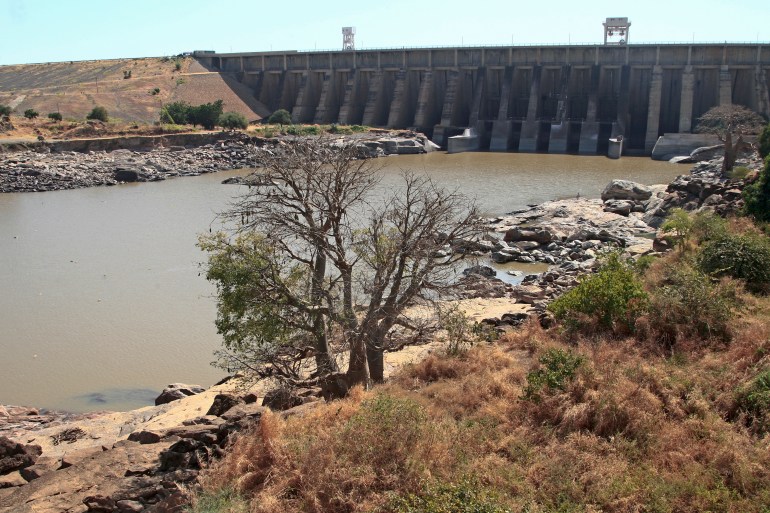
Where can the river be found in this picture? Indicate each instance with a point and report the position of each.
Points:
(102, 301)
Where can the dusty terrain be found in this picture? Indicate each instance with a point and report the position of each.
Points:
(74, 88)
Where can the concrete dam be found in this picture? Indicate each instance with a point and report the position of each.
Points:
(554, 99)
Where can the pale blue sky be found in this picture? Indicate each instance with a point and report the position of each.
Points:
(63, 30)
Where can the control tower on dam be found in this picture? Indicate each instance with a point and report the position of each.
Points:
(555, 99)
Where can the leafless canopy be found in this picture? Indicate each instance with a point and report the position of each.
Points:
(335, 263)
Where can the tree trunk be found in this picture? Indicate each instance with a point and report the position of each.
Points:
(357, 370)
(376, 361)
(323, 360)
(731, 153)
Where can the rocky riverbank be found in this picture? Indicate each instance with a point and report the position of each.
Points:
(570, 235)
(142, 460)
(46, 168)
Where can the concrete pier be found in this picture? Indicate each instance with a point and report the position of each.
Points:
(558, 99)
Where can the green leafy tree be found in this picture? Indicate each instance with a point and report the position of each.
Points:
(233, 120)
(730, 123)
(335, 268)
(55, 116)
(31, 113)
(280, 117)
(98, 113)
(175, 113)
(207, 115)
(5, 110)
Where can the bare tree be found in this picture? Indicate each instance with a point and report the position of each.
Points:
(730, 123)
(328, 261)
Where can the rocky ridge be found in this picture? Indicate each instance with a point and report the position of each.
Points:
(44, 169)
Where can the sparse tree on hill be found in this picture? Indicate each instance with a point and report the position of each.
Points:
(280, 117)
(206, 115)
(318, 265)
(233, 120)
(98, 113)
(175, 113)
(31, 113)
(55, 116)
(5, 110)
(730, 123)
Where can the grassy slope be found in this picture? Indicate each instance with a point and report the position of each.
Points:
(640, 428)
(71, 88)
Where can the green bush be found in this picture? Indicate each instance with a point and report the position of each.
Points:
(280, 117)
(31, 113)
(55, 116)
(757, 195)
(764, 142)
(558, 367)
(303, 130)
(175, 113)
(233, 120)
(610, 300)
(206, 115)
(5, 110)
(98, 113)
(464, 497)
(745, 257)
(155, 91)
(689, 304)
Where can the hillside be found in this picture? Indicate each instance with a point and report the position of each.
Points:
(74, 88)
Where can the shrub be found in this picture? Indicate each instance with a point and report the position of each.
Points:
(98, 113)
(155, 91)
(738, 173)
(175, 113)
(280, 117)
(745, 257)
(31, 113)
(458, 329)
(233, 120)
(689, 304)
(764, 142)
(754, 400)
(303, 130)
(558, 367)
(55, 116)
(610, 300)
(464, 497)
(5, 110)
(757, 195)
(177, 64)
(679, 225)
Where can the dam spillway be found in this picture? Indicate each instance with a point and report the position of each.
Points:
(551, 99)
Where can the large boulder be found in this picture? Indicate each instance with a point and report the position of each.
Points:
(482, 270)
(626, 190)
(539, 235)
(176, 391)
(15, 456)
(621, 207)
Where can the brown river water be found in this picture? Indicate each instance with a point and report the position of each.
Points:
(102, 301)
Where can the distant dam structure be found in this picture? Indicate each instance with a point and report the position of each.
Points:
(550, 99)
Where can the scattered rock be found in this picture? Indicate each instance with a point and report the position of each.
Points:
(626, 190)
(176, 391)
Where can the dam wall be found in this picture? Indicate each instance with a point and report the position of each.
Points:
(554, 99)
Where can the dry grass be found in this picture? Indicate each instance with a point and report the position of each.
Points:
(655, 422)
(635, 430)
